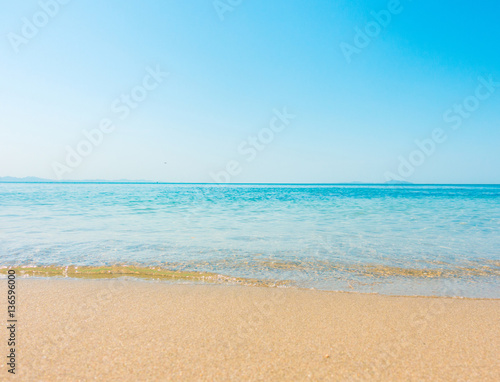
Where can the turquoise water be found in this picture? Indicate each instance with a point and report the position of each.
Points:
(413, 240)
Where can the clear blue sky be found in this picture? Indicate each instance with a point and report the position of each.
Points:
(354, 121)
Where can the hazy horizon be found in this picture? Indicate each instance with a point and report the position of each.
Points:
(253, 92)
(354, 182)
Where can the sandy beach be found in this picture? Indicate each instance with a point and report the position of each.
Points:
(122, 329)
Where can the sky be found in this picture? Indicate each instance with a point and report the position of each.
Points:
(281, 91)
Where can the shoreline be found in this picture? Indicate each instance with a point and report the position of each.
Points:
(84, 329)
(229, 283)
(162, 273)
(138, 272)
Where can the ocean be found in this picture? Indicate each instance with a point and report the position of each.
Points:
(401, 240)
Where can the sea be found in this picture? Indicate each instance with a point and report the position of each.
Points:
(428, 240)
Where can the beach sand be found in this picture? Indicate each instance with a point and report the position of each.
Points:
(129, 330)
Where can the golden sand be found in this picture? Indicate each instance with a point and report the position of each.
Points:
(129, 330)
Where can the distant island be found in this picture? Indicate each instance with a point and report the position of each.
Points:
(34, 179)
(401, 182)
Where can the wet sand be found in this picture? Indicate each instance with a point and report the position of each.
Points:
(118, 329)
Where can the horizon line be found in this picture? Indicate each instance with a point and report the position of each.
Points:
(248, 183)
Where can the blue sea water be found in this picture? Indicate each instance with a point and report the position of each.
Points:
(410, 240)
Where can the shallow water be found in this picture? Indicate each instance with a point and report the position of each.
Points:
(425, 240)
